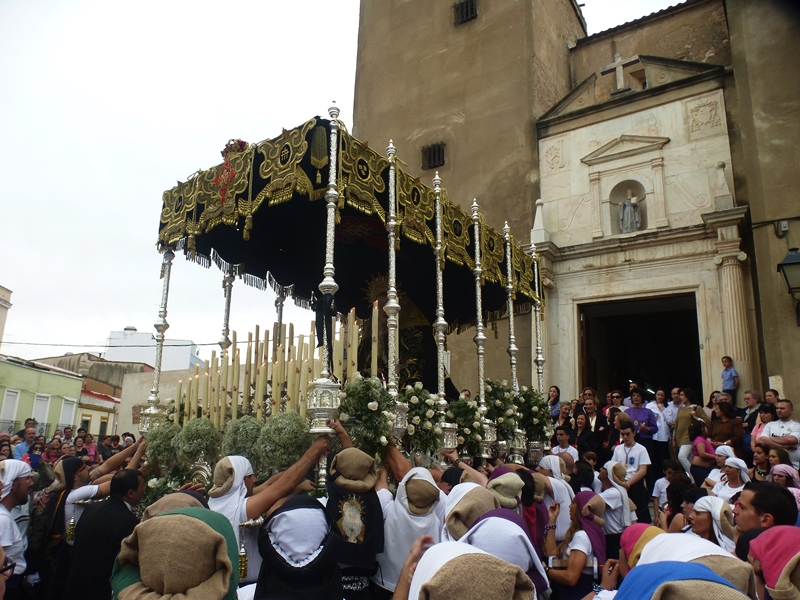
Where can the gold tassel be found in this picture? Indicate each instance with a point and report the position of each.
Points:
(319, 177)
(71, 530)
(248, 225)
(242, 562)
(191, 246)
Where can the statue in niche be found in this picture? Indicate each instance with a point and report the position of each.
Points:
(629, 218)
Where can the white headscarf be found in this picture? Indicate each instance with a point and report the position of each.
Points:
(552, 463)
(505, 540)
(453, 498)
(297, 535)
(678, 547)
(403, 527)
(739, 464)
(12, 469)
(626, 506)
(716, 507)
(725, 451)
(435, 558)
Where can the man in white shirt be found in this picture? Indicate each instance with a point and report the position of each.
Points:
(562, 435)
(660, 438)
(635, 459)
(17, 481)
(783, 433)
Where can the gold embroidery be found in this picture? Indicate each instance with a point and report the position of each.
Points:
(492, 253)
(456, 240)
(217, 188)
(281, 167)
(177, 204)
(361, 176)
(416, 205)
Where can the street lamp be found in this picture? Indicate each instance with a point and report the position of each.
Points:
(789, 267)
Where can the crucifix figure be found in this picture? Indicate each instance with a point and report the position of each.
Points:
(619, 65)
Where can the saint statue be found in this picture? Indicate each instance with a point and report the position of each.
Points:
(629, 219)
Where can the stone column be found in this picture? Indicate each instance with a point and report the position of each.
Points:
(735, 318)
(597, 219)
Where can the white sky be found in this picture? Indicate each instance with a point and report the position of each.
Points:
(104, 105)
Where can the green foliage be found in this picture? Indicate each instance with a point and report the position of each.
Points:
(534, 415)
(363, 413)
(463, 412)
(199, 439)
(500, 408)
(284, 438)
(241, 439)
(156, 487)
(423, 433)
(160, 444)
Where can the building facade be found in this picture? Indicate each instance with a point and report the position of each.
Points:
(132, 346)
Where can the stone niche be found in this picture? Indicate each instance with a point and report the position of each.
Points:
(630, 188)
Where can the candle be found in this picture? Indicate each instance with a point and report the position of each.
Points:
(206, 389)
(260, 377)
(338, 353)
(223, 391)
(290, 391)
(195, 394)
(352, 344)
(187, 406)
(178, 410)
(246, 381)
(214, 374)
(303, 389)
(235, 385)
(374, 365)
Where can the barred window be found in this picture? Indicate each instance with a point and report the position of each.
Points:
(433, 156)
(465, 10)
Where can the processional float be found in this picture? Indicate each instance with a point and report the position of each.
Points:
(274, 213)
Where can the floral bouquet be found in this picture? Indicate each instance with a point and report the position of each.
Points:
(464, 414)
(423, 433)
(365, 411)
(501, 408)
(161, 444)
(284, 438)
(199, 439)
(533, 414)
(241, 439)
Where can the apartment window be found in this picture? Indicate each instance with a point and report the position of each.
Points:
(433, 156)
(464, 10)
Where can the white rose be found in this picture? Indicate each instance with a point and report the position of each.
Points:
(505, 382)
(461, 396)
(410, 429)
(172, 417)
(384, 441)
(477, 415)
(372, 406)
(498, 403)
(357, 376)
(344, 417)
(524, 388)
(521, 400)
(500, 420)
(342, 395)
(415, 420)
(488, 388)
(466, 430)
(409, 388)
(509, 412)
(437, 431)
(460, 440)
(535, 409)
(152, 483)
(449, 415)
(429, 414)
(414, 400)
(536, 421)
(508, 394)
(472, 404)
(433, 397)
(418, 385)
(427, 425)
(478, 438)
(476, 425)
(430, 401)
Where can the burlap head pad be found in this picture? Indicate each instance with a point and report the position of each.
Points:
(476, 503)
(596, 507)
(421, 495)
(354, 471)
(506, 489)
(499, 580)
(696, 588)
(170, 502)
(726, 522)
(618, 472)
(466, 477)
(159, 548)
(788, 584)
(224, 476)
(738, 572)
(539, 487)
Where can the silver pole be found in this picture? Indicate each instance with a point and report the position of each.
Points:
(276, 341)
(161, 325)
(537, 315)
(512, 342)
(392, 306)
(480, 338)
(227, 286)
(440, 325)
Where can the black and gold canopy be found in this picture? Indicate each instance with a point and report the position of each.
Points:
(262, 212)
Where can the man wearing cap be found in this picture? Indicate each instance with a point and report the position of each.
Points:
(17, 481)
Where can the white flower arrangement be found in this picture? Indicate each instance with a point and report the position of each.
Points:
(478, 438)
(429, 414)
(199, 439)
(466, 430)
(427, 426)
(366, 406)
(418, 386)
(415, 420)
(283, 440)
(476, 425)
(372, 405)
(430, 401)
(460, 440)
(384, 441)
(414, 400)
(241, 439)
(422, 414)
(160, 444)
(410, 429)
(343, 417)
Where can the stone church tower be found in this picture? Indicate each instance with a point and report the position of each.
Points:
(640, 151)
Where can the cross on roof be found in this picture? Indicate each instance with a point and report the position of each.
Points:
(618, 65)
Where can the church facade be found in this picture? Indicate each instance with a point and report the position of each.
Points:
(644, 161)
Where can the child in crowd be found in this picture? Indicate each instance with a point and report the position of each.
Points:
(671, 467)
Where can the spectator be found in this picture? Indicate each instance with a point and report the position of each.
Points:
(784, 433)
(25, 446)
(30, 423)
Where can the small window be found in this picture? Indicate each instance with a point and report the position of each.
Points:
(465, 10)
(433, 156)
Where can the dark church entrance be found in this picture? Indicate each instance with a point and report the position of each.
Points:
(653, 341)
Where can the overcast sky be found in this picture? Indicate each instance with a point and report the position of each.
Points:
(104, 105)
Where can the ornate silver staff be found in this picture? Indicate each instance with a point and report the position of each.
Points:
(537, 315)
(323, 393)
(153, 414)
(512, 341)
(392, 306)
(449, 430)
(489, 428)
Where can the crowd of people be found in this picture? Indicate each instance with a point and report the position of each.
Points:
(636, 497)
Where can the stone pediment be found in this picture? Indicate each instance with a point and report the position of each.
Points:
(623, 147)
(660, 70)
(581, 97)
